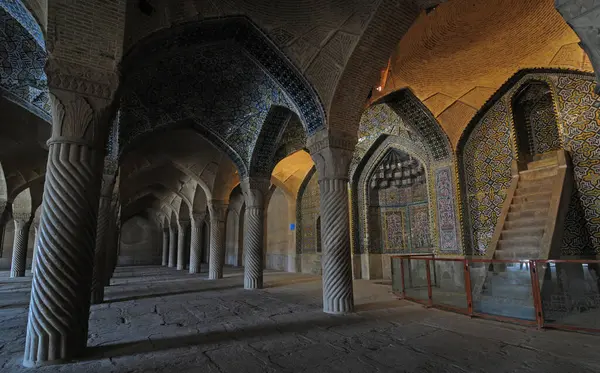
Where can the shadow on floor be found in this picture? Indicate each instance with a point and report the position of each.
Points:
(263, 331)
(291, 281)
(375, 306)
(167, 294)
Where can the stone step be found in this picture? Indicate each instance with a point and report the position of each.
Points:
(533, 205)
(516, 233)
(537, 174)
(538, 222)
(529, 197)
(519, 243)
(546, 155)
(538, 186)
(537, 213)
(542, 163)
(517, 255)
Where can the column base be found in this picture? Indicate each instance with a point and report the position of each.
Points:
(215, 276)
(339, 307)
(194, 270)
(180, 268)
(37, 364)
(97, 296)
(253, 284)
(14, 274)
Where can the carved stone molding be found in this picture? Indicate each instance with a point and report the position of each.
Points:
(255, 190)
(584, 18)
(331, 139)
(198, 219)
(332, 163)
(218, 210)
(81, 79)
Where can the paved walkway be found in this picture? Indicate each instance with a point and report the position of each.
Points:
(161, 320)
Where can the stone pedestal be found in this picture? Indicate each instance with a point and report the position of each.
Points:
(218, 212)
(19, 255)
(255, 190)
(195, 242)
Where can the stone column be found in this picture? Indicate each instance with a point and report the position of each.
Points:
(172, 246)
(218, 212)
(165, 246)
(102, 232)
(112, 245)
(60, 293)
(332, 158)
(255, 190)
(183, 228)
(21, 239)
(36, 228)
(196, 242)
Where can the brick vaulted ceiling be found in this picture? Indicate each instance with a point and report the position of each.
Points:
(458, 55)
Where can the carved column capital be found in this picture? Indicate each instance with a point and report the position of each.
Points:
(584, 18)
(255, 189)
(198, 219)
(183, 223)
(21, 219)
(218, 210)
(332, 153)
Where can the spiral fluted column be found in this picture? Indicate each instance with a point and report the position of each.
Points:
(181, 239)
(172, 247)
(19, 255)
(218, 212)
(165, 247)
(196, 242)
(36, 226)
(60, 293)
(332, 158)
(255, 190)
(102, 231)
(114, 236)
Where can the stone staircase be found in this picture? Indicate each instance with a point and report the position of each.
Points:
(525, 223)
(530, 227)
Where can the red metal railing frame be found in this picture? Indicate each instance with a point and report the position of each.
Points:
(535, 288)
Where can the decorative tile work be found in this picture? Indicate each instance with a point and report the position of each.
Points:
(394, 231)
(578, 112)
(420, 227)
(486, 178)
(230, 97)
(242, 75)
(19, 12)
(416, 116)
(487, 158)
(545, 135)
(22, 59)
(445, 194)
(268, 140)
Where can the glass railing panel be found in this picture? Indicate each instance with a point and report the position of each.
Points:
(502, 289)
(570, 293)
(448, 283)
(415, 279)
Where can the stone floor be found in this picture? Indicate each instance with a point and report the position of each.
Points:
(160, 320)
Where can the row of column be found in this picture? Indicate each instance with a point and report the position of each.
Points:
(68, 273)
(175, 253)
